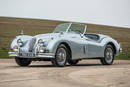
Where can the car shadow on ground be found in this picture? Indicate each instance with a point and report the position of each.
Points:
(52, 66)
(78, 65)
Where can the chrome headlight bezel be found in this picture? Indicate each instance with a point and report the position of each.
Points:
(40, 42)
(20, 42)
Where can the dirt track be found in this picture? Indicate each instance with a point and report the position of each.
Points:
(88, 73)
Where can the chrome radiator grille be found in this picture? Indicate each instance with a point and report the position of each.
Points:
(31, 44)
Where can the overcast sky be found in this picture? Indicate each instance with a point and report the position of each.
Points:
(105, 12)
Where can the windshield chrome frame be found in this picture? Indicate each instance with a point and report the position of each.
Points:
(85, 29)
(68, 27)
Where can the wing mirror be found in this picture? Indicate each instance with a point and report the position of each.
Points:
(81, 35)
(61, 33)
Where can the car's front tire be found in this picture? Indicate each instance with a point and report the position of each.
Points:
(23, 61)
(60, 56)
(108, 56)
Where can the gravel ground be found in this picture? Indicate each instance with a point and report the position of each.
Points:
(88, 73)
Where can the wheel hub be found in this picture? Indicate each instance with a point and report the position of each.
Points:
(61, 55)
(109, 54)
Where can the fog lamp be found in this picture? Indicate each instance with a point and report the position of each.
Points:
(41, 49)
(15, 48)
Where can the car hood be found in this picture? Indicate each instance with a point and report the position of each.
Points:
(47, 36)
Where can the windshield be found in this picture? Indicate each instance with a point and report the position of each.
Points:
(78, 28)
(70, 27)
(62, 28)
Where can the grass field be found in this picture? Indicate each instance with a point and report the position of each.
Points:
(10, 27)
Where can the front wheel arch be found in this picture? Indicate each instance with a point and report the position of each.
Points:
(69, 54)
(63, 58)
(68, 48)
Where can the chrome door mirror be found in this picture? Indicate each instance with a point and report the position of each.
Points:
(81, 35)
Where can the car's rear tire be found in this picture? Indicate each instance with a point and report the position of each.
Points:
(73, 62)
(108, 56)
(23, 61)
(60, 56)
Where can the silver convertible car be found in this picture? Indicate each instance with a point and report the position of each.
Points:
(67, 44)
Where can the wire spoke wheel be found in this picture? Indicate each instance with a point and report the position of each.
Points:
(60, 56)
(108, 56)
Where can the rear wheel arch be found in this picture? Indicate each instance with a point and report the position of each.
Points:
(112, 44)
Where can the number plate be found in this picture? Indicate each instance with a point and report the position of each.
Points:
(27, 54)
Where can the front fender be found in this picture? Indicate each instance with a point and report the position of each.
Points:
(53, 45)
(22, 37)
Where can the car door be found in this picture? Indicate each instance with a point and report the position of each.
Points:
(93, 48)
(79, 47)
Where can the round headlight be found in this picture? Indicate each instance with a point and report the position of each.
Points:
(15, 48)
(40, 41)
(20, 43)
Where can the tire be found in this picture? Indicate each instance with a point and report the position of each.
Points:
(60, 56)
(108, 56)
(73, 62)
(23, 61)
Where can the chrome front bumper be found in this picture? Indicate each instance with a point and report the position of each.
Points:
(12, 53)
(30, 55)
(119, 51)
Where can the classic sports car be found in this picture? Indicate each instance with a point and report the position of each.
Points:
(68, 43)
